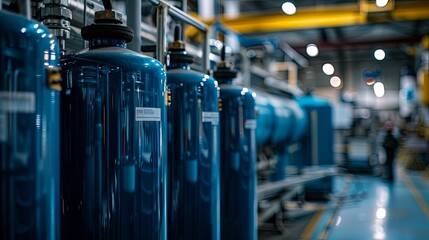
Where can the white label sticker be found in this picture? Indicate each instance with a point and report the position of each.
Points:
(148, 114)
(250, 124)
(212, 117)
(3, 127)
(18, 102)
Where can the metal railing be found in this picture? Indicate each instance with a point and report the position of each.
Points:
(163, 9)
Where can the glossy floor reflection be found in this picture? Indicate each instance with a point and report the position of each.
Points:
(373, 208)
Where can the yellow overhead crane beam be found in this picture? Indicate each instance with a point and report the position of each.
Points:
(304, 18)
(327, 16)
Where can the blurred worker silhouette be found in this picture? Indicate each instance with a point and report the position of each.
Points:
(390, 145)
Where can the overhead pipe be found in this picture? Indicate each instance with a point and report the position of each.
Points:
(80, 10)
(182, 16)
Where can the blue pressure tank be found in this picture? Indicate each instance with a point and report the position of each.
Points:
(264, 119)
(113, 139)
(287, 112)
(318, 141)
(283, 124)
(238, 158)
(317, 144)
(29, 130)
(299, 120)
(193, 149)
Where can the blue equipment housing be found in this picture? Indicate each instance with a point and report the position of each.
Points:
(193, 149)
(287, 111)
(238, 158)
(281, 122)
(29, 130)
(113, 140)
(317, 142)
(264, 120)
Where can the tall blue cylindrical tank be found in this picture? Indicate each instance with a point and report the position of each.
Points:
(113, 140)
(29, 130)
(193, 149)
(238, 158)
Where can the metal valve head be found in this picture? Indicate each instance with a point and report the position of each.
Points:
(107, 24)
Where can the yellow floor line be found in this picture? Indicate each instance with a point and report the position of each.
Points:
(416, 194)
(309, 229)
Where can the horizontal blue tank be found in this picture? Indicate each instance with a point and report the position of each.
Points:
(264, 119)
(29, 130)
(113, 139)
(238, 158)
(193, 149)
(299, 120)
(281, 122)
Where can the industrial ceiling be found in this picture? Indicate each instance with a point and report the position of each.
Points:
(334, 24)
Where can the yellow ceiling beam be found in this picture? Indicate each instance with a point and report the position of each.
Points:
(303, 19)
(324, 17)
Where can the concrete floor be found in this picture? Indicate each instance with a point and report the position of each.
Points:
(365, 207)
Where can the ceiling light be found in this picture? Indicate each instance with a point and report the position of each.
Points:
(289, 8)
(381, 3)
(379, 89)
(335, 81)
(328, 69)
(379, 54)
(312, 50)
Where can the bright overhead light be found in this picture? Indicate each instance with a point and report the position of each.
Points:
(379, 89)
(381, 213)
(328, 69)
(312, 50)
(379, 54)
(289, 8)
(381, 3)
(335, 81)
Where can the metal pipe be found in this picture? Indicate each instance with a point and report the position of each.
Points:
(275, 187)
(83, 11)
(179, 15)
(217, 10)
(107, 4)
(276, 205)
(25, 8)
(205, 49)
(184, 7)
(56, 16)
(134, 18)
(161, 40)
(85, 3)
